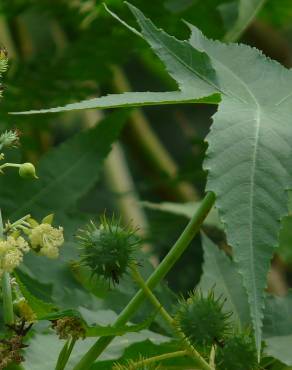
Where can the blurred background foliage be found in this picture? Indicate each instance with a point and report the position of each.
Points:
(63, 51)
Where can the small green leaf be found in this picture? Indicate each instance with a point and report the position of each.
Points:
(185, 209)
(39, 307)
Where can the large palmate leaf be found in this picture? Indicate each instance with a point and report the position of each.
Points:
(249, 156)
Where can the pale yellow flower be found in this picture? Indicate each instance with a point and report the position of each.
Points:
(11, 253)
(11, 259)
(47, 240)
(21, 243)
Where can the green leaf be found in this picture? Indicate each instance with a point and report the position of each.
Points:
(132, 99)
(66, 172)
(278, 328)
(248, 158)
(221, 275)
(247, 10)
(285, 240)
(189, 67)
(277, 13)
(39, 307)
(185, 209)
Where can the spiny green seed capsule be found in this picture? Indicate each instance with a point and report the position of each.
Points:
(27, 171)
(237, 352)
(202, 319)
(108, 249)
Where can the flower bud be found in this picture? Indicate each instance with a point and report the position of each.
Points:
(27, 171)
(67, 327)
(48, 219)
(24, 311)
(3, 53)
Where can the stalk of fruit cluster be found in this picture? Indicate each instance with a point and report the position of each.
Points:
(160, 272)
(189, 349)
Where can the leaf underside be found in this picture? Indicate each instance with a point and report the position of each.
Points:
(249, 155)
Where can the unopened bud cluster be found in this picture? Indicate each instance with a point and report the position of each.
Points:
(69, 327)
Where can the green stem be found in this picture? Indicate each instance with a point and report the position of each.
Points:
(21, 221)
(6, 290)
(139, 280)
(159, 358)
(65, 353)
(191, 351)
(164, 267)
(4, 165)
(7, 299)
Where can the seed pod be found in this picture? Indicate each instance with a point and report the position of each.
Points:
(202, 319)
(27, 171)
(238, 352)
(108, 249)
